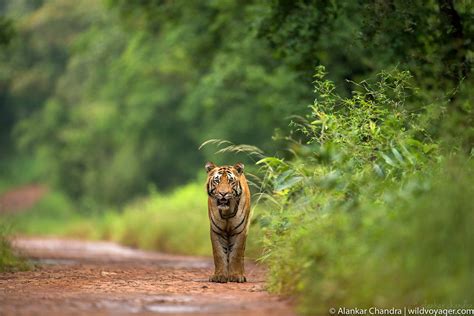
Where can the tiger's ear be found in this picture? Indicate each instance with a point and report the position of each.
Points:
(239, 167)
(209, 166)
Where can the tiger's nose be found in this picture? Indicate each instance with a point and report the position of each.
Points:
(224, 195)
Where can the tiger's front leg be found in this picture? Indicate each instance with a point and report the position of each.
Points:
(236, 259)
(220, 259)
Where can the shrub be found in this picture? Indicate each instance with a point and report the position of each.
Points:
(356, 219)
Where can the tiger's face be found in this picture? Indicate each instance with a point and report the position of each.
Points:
(223, 184)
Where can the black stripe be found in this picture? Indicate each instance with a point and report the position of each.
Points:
(243, 219)
(210, 189)
(229, 216)
(232, 235)
(217, 226)
(227, 248)
(219, 234)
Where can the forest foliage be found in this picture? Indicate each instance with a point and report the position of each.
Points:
(114, 96)
(362, 112)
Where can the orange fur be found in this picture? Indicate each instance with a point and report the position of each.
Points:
(229, 216)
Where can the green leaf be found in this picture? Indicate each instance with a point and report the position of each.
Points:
(398, 156)
(407, 154)
(271, 161)
(388, 160)
(378, 170)
(288, 183)
(427, 148)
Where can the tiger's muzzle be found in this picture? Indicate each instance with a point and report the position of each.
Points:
(223, 201)
(223, 204)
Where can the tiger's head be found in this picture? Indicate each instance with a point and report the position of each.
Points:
(223, 183)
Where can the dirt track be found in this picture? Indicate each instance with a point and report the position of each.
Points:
(85, 278)
(21, 198)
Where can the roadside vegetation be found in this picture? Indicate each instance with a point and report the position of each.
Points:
(370, 210)
(9, 260)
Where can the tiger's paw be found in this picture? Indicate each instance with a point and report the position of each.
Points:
(219, 278)
(239, 278)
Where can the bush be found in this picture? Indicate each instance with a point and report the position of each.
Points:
(367, 213)
(410, 249)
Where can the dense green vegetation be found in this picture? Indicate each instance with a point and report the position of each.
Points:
(369, 212)
(358, 114)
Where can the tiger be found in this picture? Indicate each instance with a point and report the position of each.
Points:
(229, 217)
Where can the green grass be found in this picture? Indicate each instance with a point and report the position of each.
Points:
(54, 214)
(9, 261)
(175, 222)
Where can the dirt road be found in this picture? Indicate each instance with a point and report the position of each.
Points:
(21, 198)
(96, 278)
